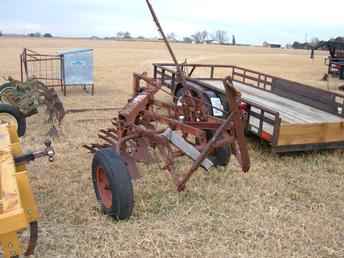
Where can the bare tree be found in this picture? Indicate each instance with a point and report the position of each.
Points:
(172, 36)
(196, 37)
(221, 36)
(120, 34)
(35, 35)
(314, 42)
(127, 35)
(47, 35)
(204, 35)
(187, 39)
(200, 36)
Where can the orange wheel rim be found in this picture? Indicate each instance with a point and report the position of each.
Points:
(104, 187)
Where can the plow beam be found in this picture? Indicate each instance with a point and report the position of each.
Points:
(187, 148)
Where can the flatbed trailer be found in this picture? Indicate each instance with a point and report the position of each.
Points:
(290, 116)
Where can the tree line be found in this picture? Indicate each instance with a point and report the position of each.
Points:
(314, 43)
(200, 37)
(34, 35)
(219, 36)
(39, 35)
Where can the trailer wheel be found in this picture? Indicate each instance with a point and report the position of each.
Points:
(221, 156)
(178, 101)
(112, 184)
(9, 114)
(178, 94)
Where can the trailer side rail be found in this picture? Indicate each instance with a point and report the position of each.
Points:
(318, 98)
(262, 121)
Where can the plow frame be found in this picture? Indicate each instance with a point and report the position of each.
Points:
(18, 209)
(135, 124)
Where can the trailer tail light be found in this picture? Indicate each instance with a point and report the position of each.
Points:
(266, 136)
(243, 107)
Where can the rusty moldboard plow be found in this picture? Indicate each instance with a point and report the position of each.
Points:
(147, 125)
(149, 130)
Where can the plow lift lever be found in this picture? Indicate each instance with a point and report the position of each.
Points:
(31, 156)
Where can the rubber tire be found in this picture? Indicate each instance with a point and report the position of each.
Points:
(222, 155)
(120, 183)
(178, 94)
(21, 121)
(4, 87)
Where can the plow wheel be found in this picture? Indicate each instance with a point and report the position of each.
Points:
(112, 184)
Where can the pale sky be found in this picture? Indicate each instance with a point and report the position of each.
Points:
(251, 21)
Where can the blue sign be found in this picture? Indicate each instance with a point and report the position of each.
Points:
(78, 67)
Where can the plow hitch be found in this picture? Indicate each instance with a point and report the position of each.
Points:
(48, 151)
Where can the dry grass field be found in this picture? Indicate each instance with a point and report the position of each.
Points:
(286, 206)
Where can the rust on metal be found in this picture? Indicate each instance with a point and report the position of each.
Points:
(140, 129)
(147, 126)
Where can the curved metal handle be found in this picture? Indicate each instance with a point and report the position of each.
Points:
(33, 239)
(31, 156)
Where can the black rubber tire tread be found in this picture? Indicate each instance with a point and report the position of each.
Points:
(6, 85)
(178, 94)
(222, 155)
(21, 121)
(120, 183)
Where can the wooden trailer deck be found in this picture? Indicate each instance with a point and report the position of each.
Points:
(290, 111)
(289, 115)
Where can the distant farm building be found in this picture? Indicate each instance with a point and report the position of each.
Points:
(212, 42)
(271, 45)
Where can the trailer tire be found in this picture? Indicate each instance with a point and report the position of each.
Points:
(112, 184)
(10, 114)
(179, 94)
(221, 156)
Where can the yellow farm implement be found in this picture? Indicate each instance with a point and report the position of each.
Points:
(18, 209)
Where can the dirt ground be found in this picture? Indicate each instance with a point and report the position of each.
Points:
(286, 206)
